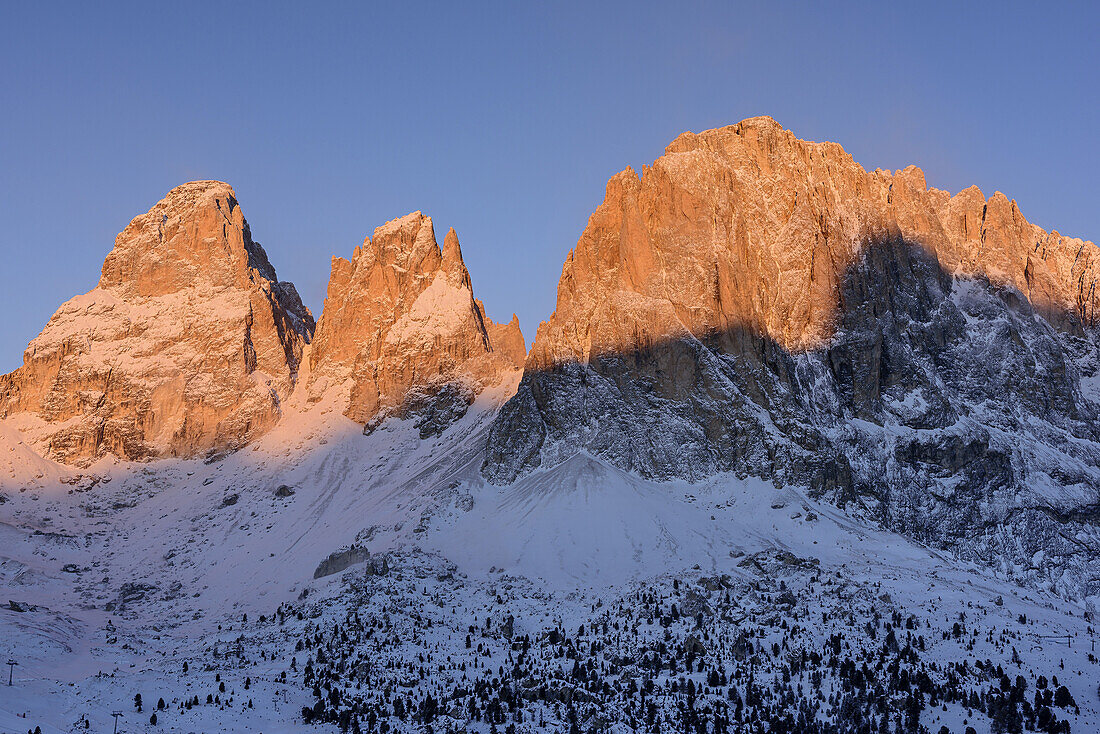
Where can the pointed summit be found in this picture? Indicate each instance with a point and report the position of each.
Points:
(187, 344)
(452, 259)
(400, 319)
(452, 252)
(194, 236)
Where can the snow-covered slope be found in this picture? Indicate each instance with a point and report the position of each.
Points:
(129, 571)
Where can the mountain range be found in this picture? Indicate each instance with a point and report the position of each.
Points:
(777, 389)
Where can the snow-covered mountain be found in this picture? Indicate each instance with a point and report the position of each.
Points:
(187, 345)
(803, 448)
(762, 305)
(401, 327)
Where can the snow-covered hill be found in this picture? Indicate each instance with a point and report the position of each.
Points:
(125, 573)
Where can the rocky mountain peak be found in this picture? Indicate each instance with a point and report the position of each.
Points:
(400, 321)
(187, 345)
(749, 226)
(452, 256)
(196, 236)
(763, 305)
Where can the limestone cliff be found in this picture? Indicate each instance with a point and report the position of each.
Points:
(187, 345)
(400, 322)
(758, 304)
(749, 227)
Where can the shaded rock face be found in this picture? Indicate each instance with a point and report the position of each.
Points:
(761, 305)
(435, 408)
(338, 561)
(401, 324)
(187, 345)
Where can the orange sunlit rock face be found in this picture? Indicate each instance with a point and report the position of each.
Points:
(747, 227)
(188, 344)
(401, 315)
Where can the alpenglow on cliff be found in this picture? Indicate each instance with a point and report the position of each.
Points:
(758, 304)
(401, 332)
(188, 344)
(751, 304)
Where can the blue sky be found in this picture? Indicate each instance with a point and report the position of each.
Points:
(502, 120)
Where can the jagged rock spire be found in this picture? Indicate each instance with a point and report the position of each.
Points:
(400, 317)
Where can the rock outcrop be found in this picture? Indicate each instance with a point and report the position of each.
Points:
(340, 560)
(762, 305)
(401, 328)
(187, 345)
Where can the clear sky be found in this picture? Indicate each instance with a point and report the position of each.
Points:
(502, 120)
